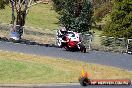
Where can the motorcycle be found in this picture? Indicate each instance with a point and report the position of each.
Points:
(71, 42)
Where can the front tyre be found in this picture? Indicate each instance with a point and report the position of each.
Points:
(59, 43)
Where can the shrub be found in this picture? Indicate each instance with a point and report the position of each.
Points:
(121, 20)
(75, 15)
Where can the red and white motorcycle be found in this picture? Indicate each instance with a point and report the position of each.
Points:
(71, 42)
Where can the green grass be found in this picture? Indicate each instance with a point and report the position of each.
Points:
(106, 19)
(14, 71)
(39, 16)
(23, 68)
(39, 19)
(42, 16)
(97, 31)
(102, 22)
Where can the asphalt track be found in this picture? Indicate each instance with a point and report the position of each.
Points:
(123, 61)
(77, 85)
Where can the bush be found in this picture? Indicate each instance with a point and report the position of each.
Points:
(113, 42)
(121, 20)
(75, 15)
(102, 11)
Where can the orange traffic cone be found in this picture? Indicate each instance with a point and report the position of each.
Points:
(84, 74)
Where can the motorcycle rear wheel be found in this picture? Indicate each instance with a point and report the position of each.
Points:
(82, 48)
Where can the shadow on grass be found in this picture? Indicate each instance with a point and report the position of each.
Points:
(30, 32)
(24, 41)
(6, 28)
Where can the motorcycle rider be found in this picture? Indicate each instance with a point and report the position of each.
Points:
(62, 32)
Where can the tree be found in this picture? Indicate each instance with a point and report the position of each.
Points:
(101, 8)
(75, 15)
(58, 5)
(121, 20)
(2, 3)
(20, 10)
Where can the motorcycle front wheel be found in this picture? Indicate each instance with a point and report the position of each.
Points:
(59, 43)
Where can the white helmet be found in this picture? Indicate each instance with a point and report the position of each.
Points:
(63, 29)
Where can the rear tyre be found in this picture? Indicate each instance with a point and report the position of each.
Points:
(82, 48)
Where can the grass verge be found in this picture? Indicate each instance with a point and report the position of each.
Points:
(24, 68)
(40, 21)
(39, 16)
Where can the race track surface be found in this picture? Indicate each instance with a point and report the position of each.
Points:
(77, 85)
(123, 61)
